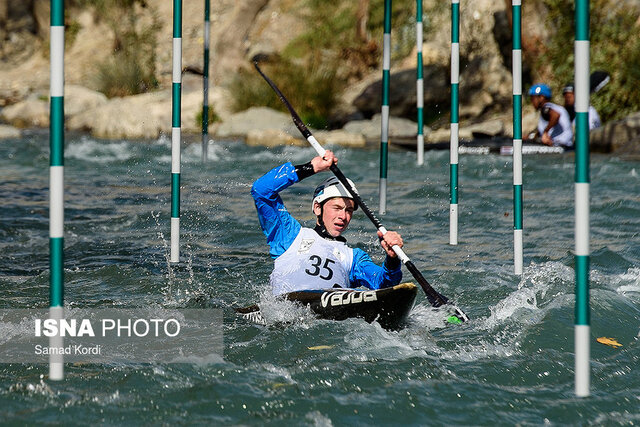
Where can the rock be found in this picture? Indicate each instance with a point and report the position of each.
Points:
(275, 25)
(277, 137)
(529, 123)
(342, 114)
(231, 44)
(140, 116)
(402, 92)
(9, 132)
(78, 99)
(621, 136)
(371, 129)
(486, 129)
(485, 87)
(272, 138)
(444, 135)
(192, 96)
(42, 16)
(255, 118)
(33, 111)
(341, 138)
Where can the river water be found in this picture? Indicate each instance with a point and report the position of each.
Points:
(511, 364)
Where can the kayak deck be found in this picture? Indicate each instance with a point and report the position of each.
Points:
(390, 307)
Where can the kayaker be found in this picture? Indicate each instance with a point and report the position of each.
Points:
(554, 125)
(318, 258)
(569, 105)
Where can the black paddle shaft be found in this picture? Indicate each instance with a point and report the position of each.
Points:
(434, 298)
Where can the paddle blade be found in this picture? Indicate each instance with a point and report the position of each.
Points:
(598, 80)
(458, 317)
(454, 320)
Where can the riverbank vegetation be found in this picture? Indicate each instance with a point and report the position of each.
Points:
(342, 45)
(615, 48)
(335, 51)
(135, 25)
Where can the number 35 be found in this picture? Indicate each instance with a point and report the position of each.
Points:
(316, 261)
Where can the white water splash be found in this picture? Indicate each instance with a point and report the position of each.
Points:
(279, 311)
(629, 282)
(372, 342)
(99, 152)
(192, 153)
(531, 295)
(317, 419)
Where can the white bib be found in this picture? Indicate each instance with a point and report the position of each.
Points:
(561, 133)
(312, 262)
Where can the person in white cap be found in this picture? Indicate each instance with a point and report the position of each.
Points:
(569, 105)
(319, 257)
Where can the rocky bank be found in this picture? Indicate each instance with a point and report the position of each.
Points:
(242, 29)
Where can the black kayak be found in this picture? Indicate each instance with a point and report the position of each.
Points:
(482, 144)
(389, 306)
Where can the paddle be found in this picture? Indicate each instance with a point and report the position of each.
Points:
(435, 299)
(597, 80)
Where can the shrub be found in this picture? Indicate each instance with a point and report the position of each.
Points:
(131, 69)
(318, 64)
(310, 89)
(615, 47)
(212, 117)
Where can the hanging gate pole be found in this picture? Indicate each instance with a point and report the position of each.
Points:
(56, 183)
(205, 83)
(582, 321)
(453, 149)
(384, 138)
(175, 130)
(419, 85)
(516, 68)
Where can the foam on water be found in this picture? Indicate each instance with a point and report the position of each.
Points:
(511, 363)
(278, 311)
(218, 151)
(38, 389)
(528, 304)
(12, 331)
(628, 283)
(99, 152)
(542, 289)
(367, 342)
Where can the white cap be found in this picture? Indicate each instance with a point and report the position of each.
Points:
(330, 188)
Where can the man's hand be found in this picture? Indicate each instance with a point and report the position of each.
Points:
(390, 239)
(324, 163)
(546, 139)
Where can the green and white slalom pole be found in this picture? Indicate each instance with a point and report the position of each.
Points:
(582, 328)
(453, 150)
(384, 138)
(176, 131)
(516, 68)
(419, 84)
(205, 83)
(56, 183)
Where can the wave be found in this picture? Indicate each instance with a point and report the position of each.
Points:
(91, 150)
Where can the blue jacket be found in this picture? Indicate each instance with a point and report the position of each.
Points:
(281, 229)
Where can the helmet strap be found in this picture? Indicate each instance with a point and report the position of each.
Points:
(322, 231)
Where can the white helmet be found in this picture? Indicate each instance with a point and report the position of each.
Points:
(330, 188)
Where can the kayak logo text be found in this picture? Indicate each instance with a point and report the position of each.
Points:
(344, 298)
